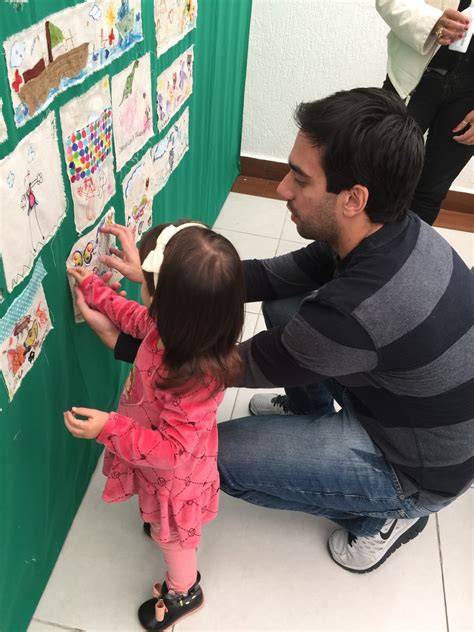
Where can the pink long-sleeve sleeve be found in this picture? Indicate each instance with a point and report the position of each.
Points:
(183, 425)
(129, 316)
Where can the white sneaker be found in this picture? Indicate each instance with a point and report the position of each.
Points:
(364, 554)
(269, 404)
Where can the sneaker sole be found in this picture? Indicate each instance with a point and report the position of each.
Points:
(409, 534)
(185, 616)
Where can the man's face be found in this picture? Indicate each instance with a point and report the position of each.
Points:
(312, 208)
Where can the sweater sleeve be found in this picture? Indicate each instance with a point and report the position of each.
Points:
(129, 316)
(288, 275)
(182, 422)
(412, 21)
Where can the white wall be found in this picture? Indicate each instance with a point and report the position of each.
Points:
(302, 50)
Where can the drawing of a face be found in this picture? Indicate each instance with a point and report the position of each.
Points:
(17, 54)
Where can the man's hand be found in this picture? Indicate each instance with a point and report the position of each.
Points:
(450, 27)
(467, 138)
(88, 428)
(127, 260)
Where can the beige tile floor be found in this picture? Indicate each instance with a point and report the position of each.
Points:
(263, 570)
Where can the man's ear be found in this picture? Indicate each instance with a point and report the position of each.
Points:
(355, 200)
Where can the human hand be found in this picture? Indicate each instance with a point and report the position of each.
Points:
(468, 137)
(88, 428)
(98, 322)
(127, 260)
(450, 27)
(79, 274)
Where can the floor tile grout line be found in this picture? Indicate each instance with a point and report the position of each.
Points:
(233, 230)
(57, 625)
(442, 572)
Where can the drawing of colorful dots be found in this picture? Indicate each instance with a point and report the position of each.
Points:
(89, 147)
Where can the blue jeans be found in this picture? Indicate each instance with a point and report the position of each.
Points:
(324, 465)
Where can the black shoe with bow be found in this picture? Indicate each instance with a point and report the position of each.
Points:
(167, 607)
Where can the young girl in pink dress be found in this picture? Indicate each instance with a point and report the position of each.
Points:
(161, 444)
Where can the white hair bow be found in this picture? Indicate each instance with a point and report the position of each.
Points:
(154, 259)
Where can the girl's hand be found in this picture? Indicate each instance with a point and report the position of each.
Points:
(468, 137)
(79, 274)
(88, 428)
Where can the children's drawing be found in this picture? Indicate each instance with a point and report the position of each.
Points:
(174, 86)
(23, 330)
(63, 50)
(87, 135)
(33, 200)
(3, 127)
(151, 174)
(173, 20)
(131, 109)
(86, 252)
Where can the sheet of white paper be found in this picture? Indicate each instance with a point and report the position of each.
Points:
(87, 137)
(85, 253)
(66, 48)
(33, 200)
(3, 127)
(23, 330)
(173, 20)
(174, 86)
(132, 109)
(151, 173)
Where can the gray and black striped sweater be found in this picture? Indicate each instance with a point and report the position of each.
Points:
(393, 323)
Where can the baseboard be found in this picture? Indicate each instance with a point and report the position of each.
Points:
(270, 170)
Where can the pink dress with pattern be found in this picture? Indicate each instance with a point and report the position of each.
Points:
(161, 445)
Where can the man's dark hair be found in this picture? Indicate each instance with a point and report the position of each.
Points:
(198, 305)
(367, 137)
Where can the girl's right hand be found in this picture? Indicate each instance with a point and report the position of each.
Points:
(79, 274)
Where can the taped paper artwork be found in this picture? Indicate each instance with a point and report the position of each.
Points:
(132, 109)
(33, 200)
(173, 20)
(86, 252)
(174, 86)
(3, 127)
(63, 50)
(151, 174)
(87, 136)
(23, 330)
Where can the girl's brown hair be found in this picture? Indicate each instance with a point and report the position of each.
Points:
(198, 305)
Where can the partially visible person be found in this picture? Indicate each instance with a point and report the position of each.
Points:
(438, 85)
(162, 442)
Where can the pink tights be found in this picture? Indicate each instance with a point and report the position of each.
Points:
(181, 563)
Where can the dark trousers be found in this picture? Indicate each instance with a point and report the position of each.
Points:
(438, 104)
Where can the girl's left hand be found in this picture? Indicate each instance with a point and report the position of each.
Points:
(88, 428)
(468, 137)
(79, 273)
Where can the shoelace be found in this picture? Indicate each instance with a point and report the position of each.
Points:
(280, 400)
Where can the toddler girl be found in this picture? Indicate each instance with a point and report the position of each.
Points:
(162, 442)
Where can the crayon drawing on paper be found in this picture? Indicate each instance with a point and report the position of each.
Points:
(87, 136)
(132, 109)
(33, 200)
(174, 86)
(64, 49)
(23, 330)
(151, 173)
(86, 251)
(173, 20)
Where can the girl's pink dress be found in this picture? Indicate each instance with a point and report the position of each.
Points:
(161, 445)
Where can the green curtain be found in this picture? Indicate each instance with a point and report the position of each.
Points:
(45, 472)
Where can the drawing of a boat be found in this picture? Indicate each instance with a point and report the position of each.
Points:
(40, 79)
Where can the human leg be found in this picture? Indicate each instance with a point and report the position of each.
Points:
(181, 594)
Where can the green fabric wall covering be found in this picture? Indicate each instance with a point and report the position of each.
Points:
(44, 471)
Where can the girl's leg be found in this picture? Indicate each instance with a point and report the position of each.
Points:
(181, 563)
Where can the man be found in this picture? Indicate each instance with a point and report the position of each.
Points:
(377, 312)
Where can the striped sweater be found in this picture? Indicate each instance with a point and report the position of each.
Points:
(391, 322)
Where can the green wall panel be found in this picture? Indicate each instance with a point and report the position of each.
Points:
(44, 471)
